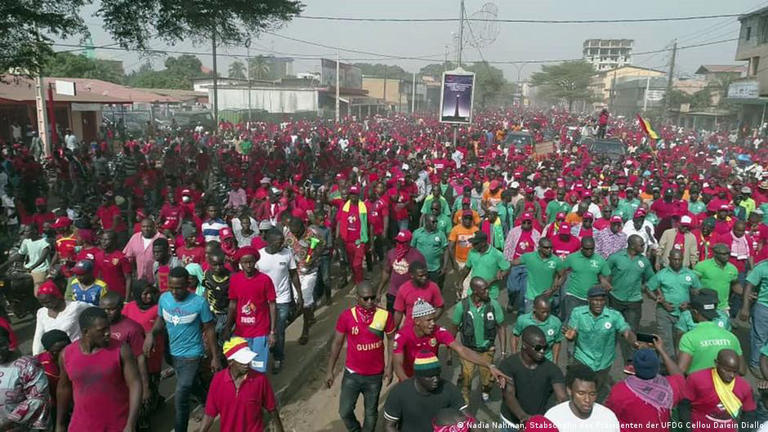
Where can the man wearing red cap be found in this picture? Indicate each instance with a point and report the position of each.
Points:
(639, 225)
(396, 269)
(611, 239)
(42, 215)
(565, 243)
(352, 228)
(557, 206)
(492, 195)
(681, 239)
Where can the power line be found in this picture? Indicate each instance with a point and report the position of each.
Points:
(520, 21)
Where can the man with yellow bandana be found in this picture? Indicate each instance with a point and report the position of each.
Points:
(719, 397)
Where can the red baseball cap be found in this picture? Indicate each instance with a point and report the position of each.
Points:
(616, 219)
(226, 233)
(61, 222)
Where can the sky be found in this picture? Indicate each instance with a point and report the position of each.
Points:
(512, 42)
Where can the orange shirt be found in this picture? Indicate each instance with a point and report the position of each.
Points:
(573, 219)
(461, 237)
(457, 217)
(492, 198)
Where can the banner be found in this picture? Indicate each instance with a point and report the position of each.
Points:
(457, 97)
(350, 77)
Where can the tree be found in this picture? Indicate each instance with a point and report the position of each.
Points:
(259, 67)
(382, 70)
(435, 70)
(489, 83)
(29, 26)
(78, 66)
(568, 81)
(674, 98)
(237, 70)
(178, 74)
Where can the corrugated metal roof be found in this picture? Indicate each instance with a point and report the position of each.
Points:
(721, 69)
(21, 89)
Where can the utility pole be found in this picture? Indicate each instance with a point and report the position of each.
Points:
(413, 94)
(248, 69)
(215, 84)
(42, 115)
(645, 95)
(461, 33)
(337, 86)
(386, 105)
(613, 87)
(671, 73)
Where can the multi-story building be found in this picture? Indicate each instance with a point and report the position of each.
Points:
(603, 81)
(606, 54)
(751, 92)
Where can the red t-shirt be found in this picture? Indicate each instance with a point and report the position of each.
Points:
(240, 409)
(377, 213)
(65, 246)
(524, 244)
(146, 319)
(634, 414)
(161, 277)
(562, 248)
(365, 349)
(408, 344)
(172, 214)
(253, 296)
(408, 293)
(399, 269)
(112, 268)
(601, 224)
(258, 243)
(129, 331)
(38, 219)
(187, 255)
(707, 412)
(679, 243)
(353, 223)
(107, 214)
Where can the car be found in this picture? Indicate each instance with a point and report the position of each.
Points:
(518, 140)
(613, 148)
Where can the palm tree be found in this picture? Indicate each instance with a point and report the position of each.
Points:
(237, 70)
(259, 67)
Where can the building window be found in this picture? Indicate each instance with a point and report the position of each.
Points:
(748, 33)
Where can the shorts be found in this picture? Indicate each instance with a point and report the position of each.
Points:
(308, 282)
(260, 346)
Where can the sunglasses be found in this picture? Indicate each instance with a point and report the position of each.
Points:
(537, 347)
(368, 298)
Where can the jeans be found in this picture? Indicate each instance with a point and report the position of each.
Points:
(569, 302)
(323, 286)
(187, 383)
(283, 314)
(735, 300)
(758, 336)
(352, 385)
(631, 312)
(516, 287)
(220, 320)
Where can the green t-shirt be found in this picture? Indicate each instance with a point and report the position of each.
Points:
(486, 265)
(504, 210)
(432, 245)
(759, 278)
(444, 224)
(445, 208)
(554, 207)
(764, 350)
(696, 207)
(596, 336)
(764, 208)
(584, 273)
(627, 208)
(675, 286)
(704, 342)
(541, 272)
(717, 278)
(686, 323)
(551, 327)
(478, 318)
(628, 275)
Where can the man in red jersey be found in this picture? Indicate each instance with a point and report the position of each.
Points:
(113, 266)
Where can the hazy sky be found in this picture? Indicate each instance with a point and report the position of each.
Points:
(514, 41)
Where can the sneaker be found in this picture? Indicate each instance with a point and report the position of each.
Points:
(486, 396)
(629, 369)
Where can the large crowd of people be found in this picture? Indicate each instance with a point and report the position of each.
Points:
(187, 253)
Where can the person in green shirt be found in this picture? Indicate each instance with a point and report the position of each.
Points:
(587, 269)
(695, 205)
(747, 202)
(700, 346)
(629, 205)
(719, 274)
(630, 271)
(433, 244)
(506, 211)
(542, 270)
(486, 262)
(444, 223)
(435, 196)
(541, 317)
(556, 206)
(686, 324)
(594, 329)
(757, 280)
(479, 319)
(671, 289)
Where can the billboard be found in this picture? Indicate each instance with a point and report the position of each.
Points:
(350, 77)
(744, 90)
(457, 96)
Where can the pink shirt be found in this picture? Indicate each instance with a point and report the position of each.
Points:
(141, 255)
(636, 415)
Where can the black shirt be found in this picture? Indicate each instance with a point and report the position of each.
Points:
(534, 384)
(414, 410)
(216, 292)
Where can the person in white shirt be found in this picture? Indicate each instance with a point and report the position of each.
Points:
(279, 263)
(55, 314)
(638, 225)
(582, 412)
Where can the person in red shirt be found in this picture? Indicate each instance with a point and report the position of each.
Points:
(419, 287)
(378, 218)
(171, 213)
(112, 265)
(237, 394)
(395, 271)
(42, 215)
(252, 308)
(190, 252)
(110, 217)
(711, 408)
(65, 243)
(565, 243)
(352, 228)
(364, 327)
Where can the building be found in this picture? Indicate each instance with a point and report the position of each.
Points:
(713, 73)
(606, 54)
(751, 91)
(602, 82)
(202, 84)
(633, 95)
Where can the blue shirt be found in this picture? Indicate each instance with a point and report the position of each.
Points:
(184, 323)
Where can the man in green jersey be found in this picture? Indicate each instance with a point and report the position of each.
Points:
(587, 269)
(542, 318)
(433, 244)
(720, 275)
(757, 281)
(542, 268)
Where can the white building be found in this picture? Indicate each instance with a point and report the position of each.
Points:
(606, 54)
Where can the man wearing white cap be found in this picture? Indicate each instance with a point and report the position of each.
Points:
(681, 239)
(238, 393)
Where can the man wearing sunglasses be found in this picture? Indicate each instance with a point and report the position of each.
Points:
(532, 375)
(364, 327)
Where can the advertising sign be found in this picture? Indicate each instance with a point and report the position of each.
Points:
(350, 77)
(457, 96)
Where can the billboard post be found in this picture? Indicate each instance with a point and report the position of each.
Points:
(456, 97)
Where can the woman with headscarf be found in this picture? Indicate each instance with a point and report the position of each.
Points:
(196, 277)
(25, 403)
(55, 313)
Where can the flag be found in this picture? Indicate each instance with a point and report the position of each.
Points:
(647, 128)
